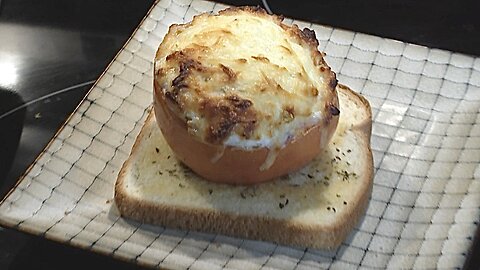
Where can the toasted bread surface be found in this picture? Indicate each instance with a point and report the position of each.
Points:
(316, 206)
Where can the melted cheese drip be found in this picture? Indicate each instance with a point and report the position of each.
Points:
(218, 154)
(272, 69)
(270, 159)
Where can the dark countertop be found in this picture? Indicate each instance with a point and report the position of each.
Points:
(52, 51)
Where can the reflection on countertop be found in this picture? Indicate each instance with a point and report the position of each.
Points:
(12, 127)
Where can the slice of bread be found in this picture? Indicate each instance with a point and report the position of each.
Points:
(314, 207)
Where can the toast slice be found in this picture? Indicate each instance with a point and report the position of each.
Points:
(314, 207)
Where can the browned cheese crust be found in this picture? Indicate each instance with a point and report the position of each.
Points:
(191, 83)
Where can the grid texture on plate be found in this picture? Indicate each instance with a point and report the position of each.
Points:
(425, 204)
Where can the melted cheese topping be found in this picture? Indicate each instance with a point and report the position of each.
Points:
(273, 73)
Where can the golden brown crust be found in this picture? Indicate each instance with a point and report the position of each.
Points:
(256, 227)
(305, 36)
(192, 70)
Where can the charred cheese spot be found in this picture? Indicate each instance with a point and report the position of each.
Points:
(309, 36)
(243, 78)
(242, 60)
(227, 114)
(229, 72)
(261, 58)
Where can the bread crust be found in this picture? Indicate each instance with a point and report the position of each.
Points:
(266, 228)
